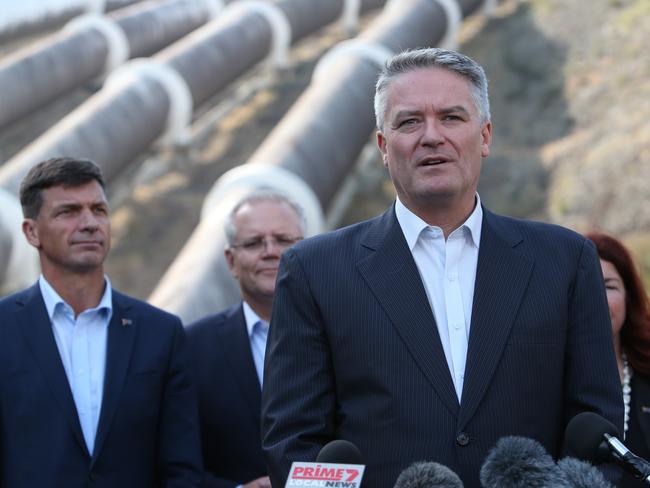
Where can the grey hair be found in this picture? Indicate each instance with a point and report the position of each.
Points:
(257, 196)
(416, 59)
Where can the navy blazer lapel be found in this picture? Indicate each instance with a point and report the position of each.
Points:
(119, 346)
(37, 329)
(502, 275)
(393, 277)
(234, 339)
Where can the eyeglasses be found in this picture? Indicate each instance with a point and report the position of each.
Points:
(258, 244)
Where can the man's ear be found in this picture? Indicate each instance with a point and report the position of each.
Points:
(486, 139)
(230, 261)
(31, 233)
(381, 143)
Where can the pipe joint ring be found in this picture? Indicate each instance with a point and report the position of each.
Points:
(259, 175)
(350, 15)
(180, 97)
(280, 27)
(374, 52)
(119, 49)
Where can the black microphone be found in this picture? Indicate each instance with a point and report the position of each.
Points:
(581, 474)
(590, 437)
(520, 462)
(428, 475)
(340, 452)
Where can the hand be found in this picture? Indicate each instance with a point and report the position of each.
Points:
(263, 482)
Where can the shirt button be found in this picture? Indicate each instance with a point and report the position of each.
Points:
(462, 439)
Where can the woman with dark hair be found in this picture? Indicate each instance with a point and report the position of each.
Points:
(629, 310)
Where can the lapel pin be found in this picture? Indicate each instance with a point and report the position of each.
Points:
(645, 409)
(126, 322)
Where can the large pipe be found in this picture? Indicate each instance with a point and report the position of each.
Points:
(110, 130)
(88, 47)
(18, 260)
(26, 17)
(318, 141)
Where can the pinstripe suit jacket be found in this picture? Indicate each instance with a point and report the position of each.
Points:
(354, 353)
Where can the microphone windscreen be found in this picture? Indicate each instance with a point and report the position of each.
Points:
(520, 462)
(584, 434)
(340, 451)
(428, 475)
(581, 474)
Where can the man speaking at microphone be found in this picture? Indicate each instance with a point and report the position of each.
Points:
(439, 327)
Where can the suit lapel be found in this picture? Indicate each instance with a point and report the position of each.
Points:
(233, 338)
(37, 329)
(393, 277)
(121, 337)
(501, 277)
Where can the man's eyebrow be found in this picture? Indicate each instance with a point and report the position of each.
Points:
(454, 109)
(406, 113)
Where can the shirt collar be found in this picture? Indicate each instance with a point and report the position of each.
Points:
(412, 225)
(251, 318)
(53, 300)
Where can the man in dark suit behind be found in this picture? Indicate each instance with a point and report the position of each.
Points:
(227, 349)
(95, 386)
(439, 327)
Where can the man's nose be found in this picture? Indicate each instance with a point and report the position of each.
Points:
(432, 133)
(271, 247)
(88, 220)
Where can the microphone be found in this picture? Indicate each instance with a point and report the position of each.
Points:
(590, 437)
(339, 463)
(428, 475)
(581, 474)
(520, 462)
(340, 451)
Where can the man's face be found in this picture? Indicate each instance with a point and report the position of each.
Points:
(72, 229)
(263, 231)
(433, 141)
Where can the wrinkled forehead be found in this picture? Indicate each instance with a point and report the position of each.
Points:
(86, 193)
(436, 87)
(267, 217)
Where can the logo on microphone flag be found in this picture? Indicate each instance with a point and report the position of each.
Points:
(333, 475)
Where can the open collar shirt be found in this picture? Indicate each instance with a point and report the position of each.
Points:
(81, 342)
(448, 271)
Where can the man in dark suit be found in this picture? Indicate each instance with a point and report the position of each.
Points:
(439, 327)
(227, 349)
(96, 387)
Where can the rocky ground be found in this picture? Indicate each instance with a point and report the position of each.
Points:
(570, 90)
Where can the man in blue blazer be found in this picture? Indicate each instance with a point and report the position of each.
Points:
(435, 329)
(96, 387)
(227, 349)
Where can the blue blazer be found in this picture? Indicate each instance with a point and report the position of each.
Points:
(353, 350)
(147, 434)
(229, 399)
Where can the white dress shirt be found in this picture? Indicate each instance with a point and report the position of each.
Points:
(258, 331)
(448, 272)
(81, 342)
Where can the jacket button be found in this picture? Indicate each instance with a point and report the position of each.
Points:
(462, 439)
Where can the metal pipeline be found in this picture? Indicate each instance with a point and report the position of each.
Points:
(317, 142)
(88, 47)
(28, 17)
(110, 130)
(18, 260)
